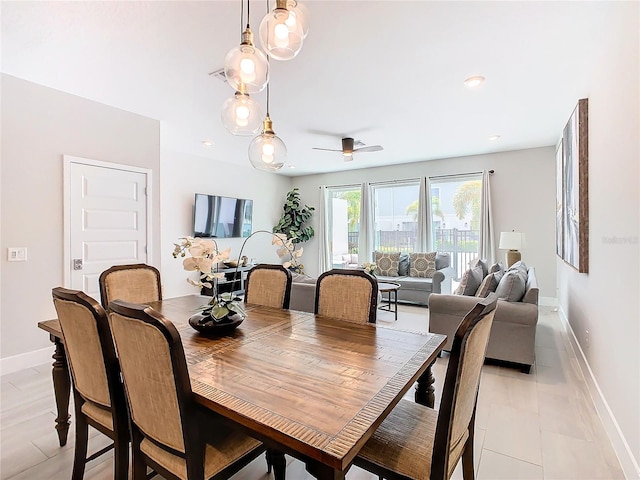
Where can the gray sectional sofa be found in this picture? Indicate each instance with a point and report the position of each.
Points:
(417, 290)
(513, 332)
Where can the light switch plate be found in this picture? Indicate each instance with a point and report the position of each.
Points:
(17, 254)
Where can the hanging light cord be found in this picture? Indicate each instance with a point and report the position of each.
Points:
(241, 14)
(248, 12)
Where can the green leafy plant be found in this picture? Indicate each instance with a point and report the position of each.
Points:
(293, 218)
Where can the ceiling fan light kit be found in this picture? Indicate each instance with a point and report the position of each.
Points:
(281, 32)
(348, 149)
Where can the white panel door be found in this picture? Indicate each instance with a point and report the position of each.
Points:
(107, 222)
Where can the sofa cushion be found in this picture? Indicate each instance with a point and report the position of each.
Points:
(387, 263)
(482, 263)
(511, 287)
(423, 265)
(403, 265)
(470, 282)
(443, 260)
(489, 284)
(496, 267)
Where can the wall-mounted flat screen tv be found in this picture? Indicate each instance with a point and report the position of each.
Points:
(221, 217)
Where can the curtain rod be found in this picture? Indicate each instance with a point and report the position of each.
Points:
(351, 185)
(389, 182)
(461, 174)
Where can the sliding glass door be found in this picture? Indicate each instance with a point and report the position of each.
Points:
(395, 215)
(455, 217)
(343, 206)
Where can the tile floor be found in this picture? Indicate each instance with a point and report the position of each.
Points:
(537, 426)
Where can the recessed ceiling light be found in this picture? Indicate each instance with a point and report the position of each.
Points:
(474, 81)
(292, 166)
(207, 143)
(493, 138)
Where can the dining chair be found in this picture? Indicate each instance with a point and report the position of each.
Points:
(417, 442)
(98, 393)
(347, 294)
(171, 433)
(268, 285)
(137, 283)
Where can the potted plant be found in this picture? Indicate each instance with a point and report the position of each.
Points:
(292, 224)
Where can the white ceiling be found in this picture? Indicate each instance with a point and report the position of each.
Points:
(386, 72)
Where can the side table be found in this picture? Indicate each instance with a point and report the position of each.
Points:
(391, 302)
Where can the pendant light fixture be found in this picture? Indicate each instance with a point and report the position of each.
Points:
(245, 64)
(281, 34)
(241, 115)
(267, 151)
(300, 15)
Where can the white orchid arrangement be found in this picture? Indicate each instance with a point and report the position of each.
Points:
(370, 268)
(204, 257)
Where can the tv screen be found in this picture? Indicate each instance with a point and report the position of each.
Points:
(221, 217)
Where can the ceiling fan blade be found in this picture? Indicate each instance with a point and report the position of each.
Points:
(372, 148)
(326, 149)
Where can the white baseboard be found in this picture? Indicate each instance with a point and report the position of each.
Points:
(26, 360)
(627, 460)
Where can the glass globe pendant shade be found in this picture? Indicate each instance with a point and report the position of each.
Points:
(267, 151)
(246, 65)
(241, 115)
(280, 34)
(298, 13)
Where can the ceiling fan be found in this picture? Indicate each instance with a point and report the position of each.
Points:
(350, 146)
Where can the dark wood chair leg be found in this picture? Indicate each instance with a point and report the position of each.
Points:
(279, 463)
(467, 454)
(80, 449)
(121, 459)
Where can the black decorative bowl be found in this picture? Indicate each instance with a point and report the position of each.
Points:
(206, 325)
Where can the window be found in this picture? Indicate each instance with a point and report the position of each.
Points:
(455, 216)
(395, 214)
(344, 224)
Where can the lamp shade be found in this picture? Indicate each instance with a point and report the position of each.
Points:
(511, 240)
(267, 151)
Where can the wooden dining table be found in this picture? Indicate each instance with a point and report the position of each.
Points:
(310, 386)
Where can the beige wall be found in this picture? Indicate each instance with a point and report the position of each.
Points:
(522, 192)
(605, 302)
(39, 126)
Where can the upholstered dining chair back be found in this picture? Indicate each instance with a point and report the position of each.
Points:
(268, 285)
(348, 295)
(136, 283)
(170, 432)
(420, 443)
(98, 393)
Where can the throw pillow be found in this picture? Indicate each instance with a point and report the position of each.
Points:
(387, 263)
(423, 265)
(470, 282)
(496, 267)
(403, 266)
(488, 285)
(511, 287)
(482, 263)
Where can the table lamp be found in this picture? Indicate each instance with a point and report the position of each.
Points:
(511, 241)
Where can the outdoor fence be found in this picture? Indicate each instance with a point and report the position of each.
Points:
(461, 245)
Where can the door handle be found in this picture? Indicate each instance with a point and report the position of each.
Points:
(77, 264)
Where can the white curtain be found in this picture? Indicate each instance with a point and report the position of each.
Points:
(425, 227)
(365, 237)
(486, 246)
(324, 260)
